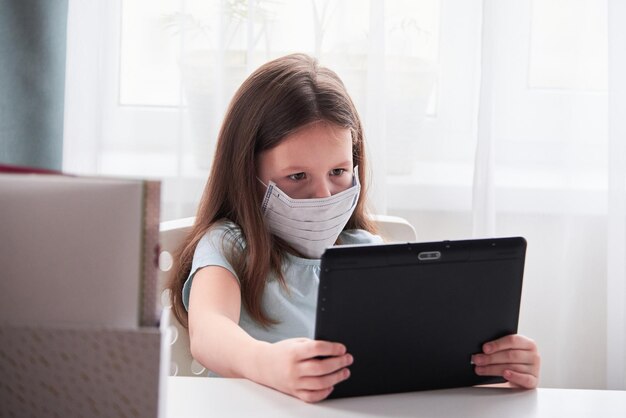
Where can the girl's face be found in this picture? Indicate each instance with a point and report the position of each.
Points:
(315, 161)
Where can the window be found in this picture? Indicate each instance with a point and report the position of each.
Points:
(169, 68)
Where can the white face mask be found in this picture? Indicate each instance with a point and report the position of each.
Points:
(309, 225)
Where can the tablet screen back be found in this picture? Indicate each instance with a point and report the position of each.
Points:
(413, 314)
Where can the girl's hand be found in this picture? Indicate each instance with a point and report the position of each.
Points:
(303, 368)
(513, 357)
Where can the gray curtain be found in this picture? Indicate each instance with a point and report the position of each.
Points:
(32, 82)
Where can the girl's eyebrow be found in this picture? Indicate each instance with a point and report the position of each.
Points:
(299, 168)
(294, 168)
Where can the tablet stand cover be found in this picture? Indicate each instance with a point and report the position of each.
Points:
(413, 314)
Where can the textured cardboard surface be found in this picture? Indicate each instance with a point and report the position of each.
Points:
(82, 372)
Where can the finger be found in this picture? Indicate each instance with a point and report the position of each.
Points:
(323, 382)
(312, 396)
(500, 369)
(506, 357)
(320, 367)
(316, 348)
(524, 380)
(514, 341)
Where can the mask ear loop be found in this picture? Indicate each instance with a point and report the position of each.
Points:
(261, 181)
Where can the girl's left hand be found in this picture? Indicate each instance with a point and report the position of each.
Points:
(513, 357)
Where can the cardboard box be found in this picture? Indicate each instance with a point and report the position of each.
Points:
(78, 297)
(78, 250)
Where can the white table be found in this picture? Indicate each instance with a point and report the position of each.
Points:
(214, 397)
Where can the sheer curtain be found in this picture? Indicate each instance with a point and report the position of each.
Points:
(616, 242)
(577, 248)
(483, 118)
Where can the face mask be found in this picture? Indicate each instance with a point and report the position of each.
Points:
(309, 225)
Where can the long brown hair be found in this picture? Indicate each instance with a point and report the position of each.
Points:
(278, 98)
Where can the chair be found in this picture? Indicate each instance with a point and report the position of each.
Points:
(391, 228)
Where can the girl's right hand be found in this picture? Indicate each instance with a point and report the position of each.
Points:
(303, 368)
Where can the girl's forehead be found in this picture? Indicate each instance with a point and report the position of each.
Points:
(313, 146)
(319, 133)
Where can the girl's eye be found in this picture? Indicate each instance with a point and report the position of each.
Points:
(297, 176)
(337, 171)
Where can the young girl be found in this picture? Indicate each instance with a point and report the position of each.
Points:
(288, 179)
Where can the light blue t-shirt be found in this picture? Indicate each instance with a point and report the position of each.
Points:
(295, 310)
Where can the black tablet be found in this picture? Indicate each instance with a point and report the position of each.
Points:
(413, 314)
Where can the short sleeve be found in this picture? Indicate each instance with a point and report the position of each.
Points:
(359, 236)
(212, 250)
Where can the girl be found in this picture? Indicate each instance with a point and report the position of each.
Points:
(288, 179)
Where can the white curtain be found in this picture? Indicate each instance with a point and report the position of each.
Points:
(616, 227)
(483, 118)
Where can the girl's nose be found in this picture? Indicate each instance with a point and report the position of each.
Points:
(321, 189)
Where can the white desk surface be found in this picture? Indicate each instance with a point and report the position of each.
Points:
(215, 397)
